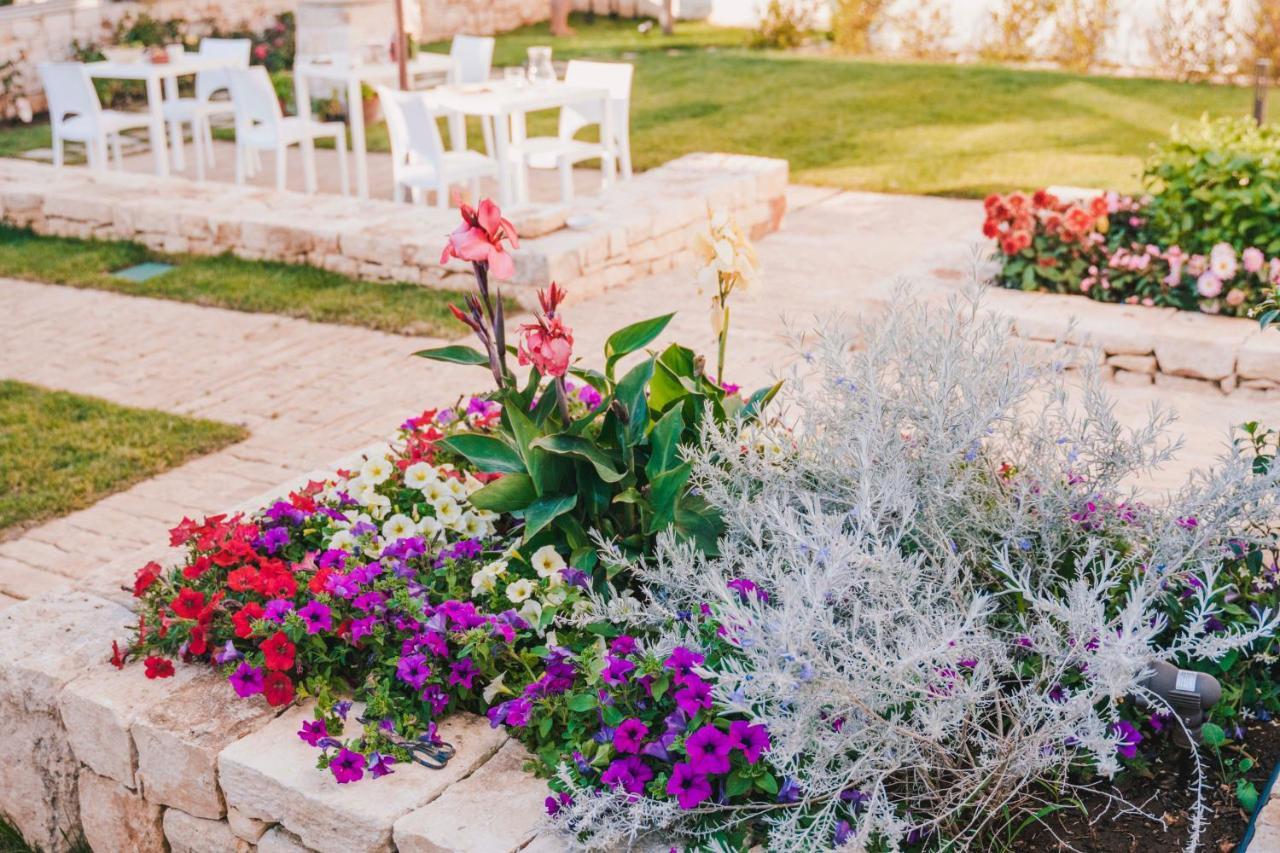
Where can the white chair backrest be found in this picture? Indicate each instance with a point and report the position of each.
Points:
(254, 97)
(70, 92)
(411, 126)
(235, 52)
(614, 76)
(472, 58)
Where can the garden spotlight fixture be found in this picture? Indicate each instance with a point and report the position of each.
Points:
(1190, 694)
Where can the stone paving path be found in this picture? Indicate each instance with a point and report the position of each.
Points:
(311, 393)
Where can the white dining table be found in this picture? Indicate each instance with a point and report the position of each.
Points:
(161, 79)
(506, 103)
(353, 76)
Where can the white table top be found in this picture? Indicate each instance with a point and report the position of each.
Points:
(143, 70)
(501, 97)
(423, 63)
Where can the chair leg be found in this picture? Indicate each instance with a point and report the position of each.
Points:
(566, 180)
(442, 194)
(198, 148)
(241, 156)
(487, 126)
(179, 157)
(341, 144)
(59, 152)
(281, 162)
(117, 154)
(208, 142)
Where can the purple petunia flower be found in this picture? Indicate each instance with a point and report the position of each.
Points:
(708, 749)
(683, 660)
(574, 577)
(616, 671)
(630, 735)
(688, 786)
(463, 672)
(342, 707)
(313, 731)
(629, 773)
(247, 680)
(751, 739)
(693, 696)
(623, 645)
(746, 589)
(277, 609)
(347, 766)
(317, 616)
(228, 654)
(434, 696)
(843, 832)
(789, 792)
(274, 539)
(362, 627)
(555, 803)
(413, 670)
(514, 713)
(1130, 737)
(380, 765)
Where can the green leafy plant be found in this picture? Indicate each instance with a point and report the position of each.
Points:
(615, 471)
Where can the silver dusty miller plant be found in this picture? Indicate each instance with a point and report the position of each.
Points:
(961, 585)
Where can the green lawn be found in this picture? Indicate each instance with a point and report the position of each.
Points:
(869, 124)
(229, 282)
(61, 452)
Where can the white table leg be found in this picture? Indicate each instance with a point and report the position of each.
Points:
(307, 146)
(519, 135)
(155, 105)
(175, 127)
(501, 142)
(355, 115)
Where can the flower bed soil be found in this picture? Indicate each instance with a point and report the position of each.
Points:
(1172, 777)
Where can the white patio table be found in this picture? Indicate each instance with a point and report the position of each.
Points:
(353, 75)
(156, 74)
(507, 102)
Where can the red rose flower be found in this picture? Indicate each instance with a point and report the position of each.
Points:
(243, 619)
(278, 652)
(278, 688)
(145, 577)
(188, 603)
(158, 667)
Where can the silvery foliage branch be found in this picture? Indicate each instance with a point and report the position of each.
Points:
(948, 503)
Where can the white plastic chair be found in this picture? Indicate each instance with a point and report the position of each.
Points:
(261, 126)
(562, 151)
(419, 161)
(472, 64)
(76, 114)
(198, 110)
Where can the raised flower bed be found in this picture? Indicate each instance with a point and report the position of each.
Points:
(915, 613)
(1206, 238)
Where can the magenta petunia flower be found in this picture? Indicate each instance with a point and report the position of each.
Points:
(693, 696)
(380, 765)
(682, 660)
(1130, 737)
(630, 735)
(629, 773)
(616, 671)
(247, 680)
(463, 672)
(751, 739)
(688, 786)
(708, 749)
(347, 766)
(313, 731)
(623, 645)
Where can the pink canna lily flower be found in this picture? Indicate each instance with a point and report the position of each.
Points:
(479, 239)
(548, 343)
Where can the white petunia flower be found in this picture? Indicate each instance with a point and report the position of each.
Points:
(493, 688)
(342, 540)
(419, 474)
(398, 526)
(531, 612)
(376, 470)
(471, 525)
(547, 561)
(520, 590)
(456, 488)
(434, 492)
(430, 527)
(447, 512)
(482, 581)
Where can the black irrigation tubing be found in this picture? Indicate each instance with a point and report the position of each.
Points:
(1262, 803)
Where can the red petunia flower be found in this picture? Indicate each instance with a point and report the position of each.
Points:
(145, 577)
(479, 239)
(243, 579)
(278, 651)
(188, 603)
(158, 667)
(278, 689)
(198, 642)
(198, 566)
(244, 617)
